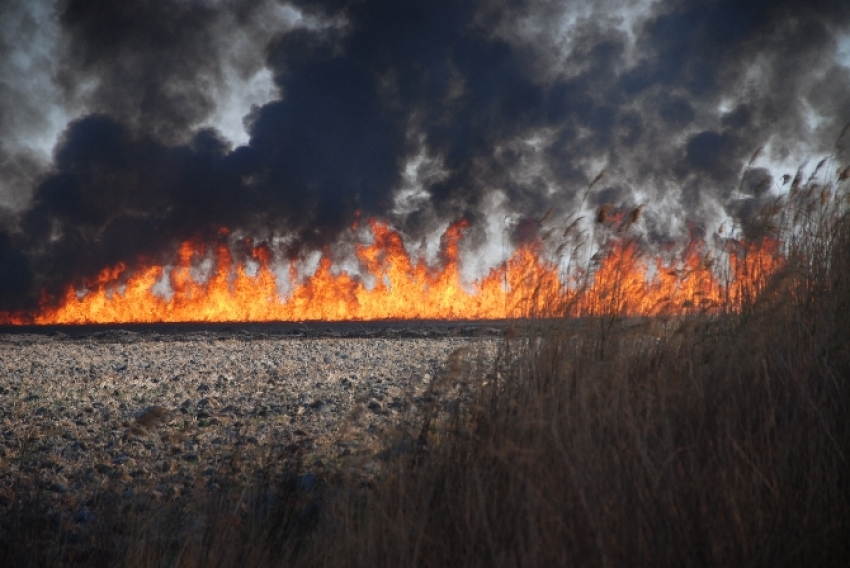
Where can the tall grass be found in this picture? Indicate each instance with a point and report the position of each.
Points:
(705, 440)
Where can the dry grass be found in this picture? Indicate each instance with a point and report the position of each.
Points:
(701, 441)
(708, 440)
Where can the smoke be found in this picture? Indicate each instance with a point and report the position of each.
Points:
(289, 119)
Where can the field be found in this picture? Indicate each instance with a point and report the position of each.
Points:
(709, 439)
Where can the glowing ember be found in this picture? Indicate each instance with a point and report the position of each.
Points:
(622, 283)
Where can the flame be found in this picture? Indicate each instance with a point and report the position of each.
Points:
(625, 282)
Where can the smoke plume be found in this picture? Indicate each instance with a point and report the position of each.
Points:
(420, 112)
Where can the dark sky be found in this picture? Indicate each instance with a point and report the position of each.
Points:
(126, 127)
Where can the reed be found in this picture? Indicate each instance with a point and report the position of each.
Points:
(716, 438)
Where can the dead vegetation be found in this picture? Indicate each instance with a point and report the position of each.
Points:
(702, 441)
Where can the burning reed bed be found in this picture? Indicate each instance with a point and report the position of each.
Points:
(702, 440)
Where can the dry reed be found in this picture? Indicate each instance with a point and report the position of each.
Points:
(704, 440)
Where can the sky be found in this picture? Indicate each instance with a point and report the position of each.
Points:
(128, 127)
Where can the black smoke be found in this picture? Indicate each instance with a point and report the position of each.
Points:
(504, 96)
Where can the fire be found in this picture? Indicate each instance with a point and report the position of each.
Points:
(622, 283)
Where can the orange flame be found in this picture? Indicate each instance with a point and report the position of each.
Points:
(623, 285)
(525, 284)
